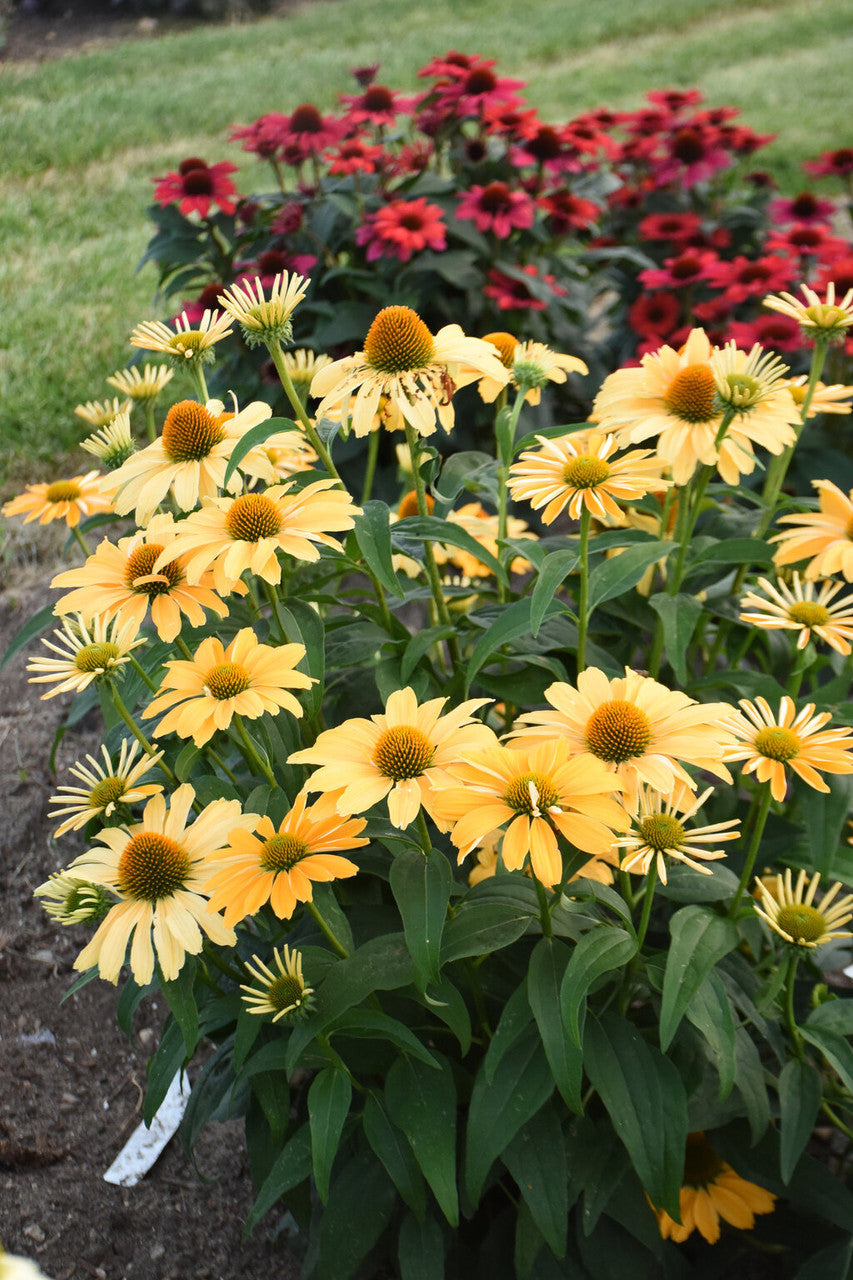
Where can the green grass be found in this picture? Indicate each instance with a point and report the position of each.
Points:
(84, 135)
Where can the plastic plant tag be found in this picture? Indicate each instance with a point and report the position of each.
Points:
(145, 1144)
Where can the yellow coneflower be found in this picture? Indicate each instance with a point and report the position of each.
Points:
(280, 992)
(806, 607)
(142, 386)
(69, 500)
(577, 471)
(711, 1191)
(483, 528)
(184, 343)
(823, 537)
(120, 580)
(531, 364)
(100, 413)
(832, 399)
(660, 832)
(789, 909)
(419, 372)
(86, 653)
(303, 365)
(104, 787)
(816, 316)
(398, 754)
(766, 743)
(278, 865)
(231, 535)
(262, 318)
(246, 679)
(71, 901)
(15, 1267)
(113, 444)
(639, 729)
(532, 794)
(156, 869)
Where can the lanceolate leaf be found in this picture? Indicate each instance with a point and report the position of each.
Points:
(536, 1158)
(422, 1102)
(645, 1098)
(396, 1154)
(554, 570)
(515, 1017)
(361, 1202)
(373, 535)
(799, 1102)
(251, 439)
(679, 615)
(513, 622)
(835, 1049)
(544, 976)
(710, 1012)
(433, 529)
(373, 1024)
(329, 1101)
(480, 927)
(622, 572)
(38, 623)
(599, 951)
(180, 997)
(421, 887)
(421, 1249)
(699, 939)
(292, 1166)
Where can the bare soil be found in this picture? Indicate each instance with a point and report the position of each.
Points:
(71, 1084)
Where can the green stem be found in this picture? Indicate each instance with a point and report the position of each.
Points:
(138, 734)
(150, 425)
(220, 764)
(211, 954)
(201, 381)
(651, 885)
(183, 647)
(544, 909)
(140, 671)
(752, 852)
(84, 546)
(272, 596)
(803, 659)
(423, 832)
(334, 942)
(789, 1005)
(583, 596)
(839, 1124)
(277, 356)
(370, 466)
(504, 450)
(253, 760)
(442, 610)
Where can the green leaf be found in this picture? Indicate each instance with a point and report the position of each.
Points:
(645, 1098)
(396, 1154)
(180, 997)
(516, 1016)
(710, 1012)
(333, 914)
(273, 1094)
(163, 1067)
(329, 1100)
(361, 1202)
(212, 1089)
(699, 940)
(825, 817)
(418, 646)
(372, 531)
(835, 1049)
(833, 1015)
(251, 439)
(833, 1262)
(536, 1158)
(304, 625)
(679, 615)
(553, 571)
(521, 1084)
(471, 470)
(421, 1249)
(482, 927)
(512, 622)
(750, 1083)
(683, 884)
(799, 1102)
(373, 1024)
(129, 1001)
(448, 1005)
(38, 623)
(730, 551)
(544, 975)
(603, 949)
(292, 1166)
(621, 573)
(421, 887)
(434, 529)
(422, 1102)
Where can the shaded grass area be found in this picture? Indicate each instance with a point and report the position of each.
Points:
(84, 135)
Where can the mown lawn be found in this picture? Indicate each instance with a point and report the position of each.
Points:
(84, 135)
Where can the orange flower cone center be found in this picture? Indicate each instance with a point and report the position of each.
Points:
(702, 1165)
(529, 792)
(801, 923)
(409, 504)
(96, 657)
(140, 564)
(585, 472)
(777, 744)
(152, 866)
(691, 395)
(506, 345)
(661, 831)
(403, 752)
(106, 792)
(282, 851)
(62, 491)
(398, 341)
(809, 614)
(618, 731)
(252, 517)
(190, 431)
(226, 680)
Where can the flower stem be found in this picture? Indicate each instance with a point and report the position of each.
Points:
(201, 381)
(334, 942)
(583, 595)
(504, 443)
(140, 671)
(370, 466)
(752, 852)
(272, 596)
(544, 909)
(778, 468)
(790, 983)
(84, 546)
(423, 832)
(651, 885)
(150, 425)
(277, 356)
(431, 566)
(253, 759)
(138, 734)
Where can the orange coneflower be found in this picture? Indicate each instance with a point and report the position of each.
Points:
(711, 1191)
(278, 865)
(534, 793)
(823, 537)
(121, 580)
(659, 833)
(397, 754)
(157, 868)
(767, 743)
(69, 500)
(805, 607)
(418, 371)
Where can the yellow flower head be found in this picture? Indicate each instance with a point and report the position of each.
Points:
(142, 386)
(790, 910)
(247, 679)
(807, 607)
(104, 787)
(281, 993)
(711, 1191)
(113, 444)
(265, 319)
(71, 901)
(833, 399)
(86, 652)
(69, 500)
(184, 344)
(823, 537)
(398, 754)
(827, 318)
(418, 372)
(531, 364)
(767, 743)
(100, 413)
(660, 832)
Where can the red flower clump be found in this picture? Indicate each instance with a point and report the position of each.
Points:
(402, 228)
(497, 208)
(196, 186)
